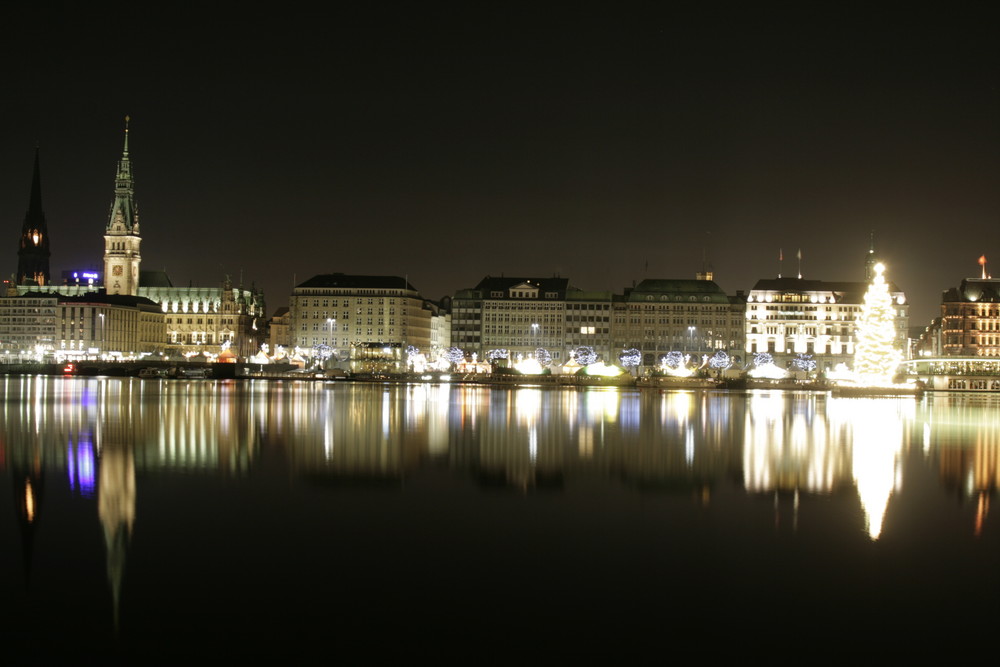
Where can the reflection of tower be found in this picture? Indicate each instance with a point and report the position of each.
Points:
(29, 491)
(121, 237)
(33, 252)
(116, 510)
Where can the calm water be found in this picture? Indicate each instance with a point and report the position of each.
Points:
(174, 520)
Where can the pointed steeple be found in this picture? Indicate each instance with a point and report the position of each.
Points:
(33, 252)
(872, 259)
(124, 209)
(121, 236)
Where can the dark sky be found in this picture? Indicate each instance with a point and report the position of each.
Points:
(445, 144)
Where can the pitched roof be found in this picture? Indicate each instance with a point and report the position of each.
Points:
(152, 278)
(504, 283)
(110, 299)
(682, 287)
(344, 281)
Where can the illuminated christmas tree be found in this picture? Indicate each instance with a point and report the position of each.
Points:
(875, 356)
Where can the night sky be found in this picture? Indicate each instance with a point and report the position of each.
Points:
(603, 144)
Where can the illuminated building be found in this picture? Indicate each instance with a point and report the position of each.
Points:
(440, 327)
(278, 328)
(33, 251)
(200, 319)
(197, 320)
(362, 314)
(91, 278)
(82, 326)
(27, 322)
(790, 316)
(119, 325)
(696, 317)
(588, 323)
(121, 237)
(970, 319)
(656, 316)
(520, 315)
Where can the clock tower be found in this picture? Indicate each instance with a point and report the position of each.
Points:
(121, 237)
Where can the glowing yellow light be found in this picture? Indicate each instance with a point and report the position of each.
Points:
(529, 366)
(601, 369)
(29, 501)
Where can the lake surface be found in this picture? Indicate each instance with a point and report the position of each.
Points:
(176, 520)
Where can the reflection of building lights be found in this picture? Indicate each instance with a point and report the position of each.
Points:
(29, 501)
(81, 466)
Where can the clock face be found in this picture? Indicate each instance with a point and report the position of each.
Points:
(116, 271)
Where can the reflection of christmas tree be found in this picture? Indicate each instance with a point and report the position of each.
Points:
(875, 357)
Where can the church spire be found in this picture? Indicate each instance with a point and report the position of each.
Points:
(121, 236)
(124, 204)
(33, 253)
(872, 259)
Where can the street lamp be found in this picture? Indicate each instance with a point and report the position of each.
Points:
(101, 315)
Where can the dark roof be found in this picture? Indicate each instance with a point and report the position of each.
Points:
(981, 290)
(685, 287)
(35, 295)
(502, 284)
(803, 285)
(343, 281)
(154, 279)
(677, 285)
(110, 299)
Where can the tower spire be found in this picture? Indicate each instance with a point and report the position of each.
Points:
(33, 253)
(872, 259)
(121, 236)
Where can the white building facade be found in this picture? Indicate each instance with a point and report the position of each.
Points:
(788, 317)
(356, 318)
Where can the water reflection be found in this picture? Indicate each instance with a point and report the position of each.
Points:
(778, 442)
(99, 438)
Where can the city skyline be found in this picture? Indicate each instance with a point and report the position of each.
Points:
(605, 150)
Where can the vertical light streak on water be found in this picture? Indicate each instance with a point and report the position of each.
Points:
(528, 403)
(680, 407)
(689, 445)
(225, 413)
(386, 421)
(39, 394)
(630, 411)
(161, 436)
(328, 424)
(584, 431)
(762, 436)
(820, 470)
(84, 456)
(437, 420)
(71, 467)
(206, 414)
